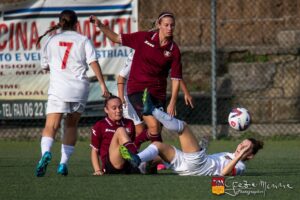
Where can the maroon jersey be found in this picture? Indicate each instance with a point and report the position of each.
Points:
(151, 63)
(103, 131)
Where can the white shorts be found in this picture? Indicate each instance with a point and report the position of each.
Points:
(188, 163)
(129, 113)
(55, 105)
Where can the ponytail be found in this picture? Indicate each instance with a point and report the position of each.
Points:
(67, 21)
(154, 26)
(53, 28)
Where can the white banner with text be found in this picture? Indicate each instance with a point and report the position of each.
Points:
(22, 81)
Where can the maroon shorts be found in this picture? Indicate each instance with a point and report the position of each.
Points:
(127, 168)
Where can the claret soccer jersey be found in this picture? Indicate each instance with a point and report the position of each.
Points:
(104, 130)
(152, 63)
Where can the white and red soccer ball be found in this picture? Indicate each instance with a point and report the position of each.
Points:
(239, 119)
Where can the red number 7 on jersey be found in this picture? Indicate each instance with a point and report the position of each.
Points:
(67, 52)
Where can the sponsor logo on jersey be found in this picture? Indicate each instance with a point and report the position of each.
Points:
(218, 185)
(110, 130)
(167, 53)
(149, 44)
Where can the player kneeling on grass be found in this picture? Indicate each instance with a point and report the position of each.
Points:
(192, 159)
(107, 136)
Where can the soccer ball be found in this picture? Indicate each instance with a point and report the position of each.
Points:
(239, 119)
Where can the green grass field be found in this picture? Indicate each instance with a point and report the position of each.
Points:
(277, 164)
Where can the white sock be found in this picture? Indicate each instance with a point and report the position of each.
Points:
(149, 153)
(170, 123)
(66, 152)
(46, 144)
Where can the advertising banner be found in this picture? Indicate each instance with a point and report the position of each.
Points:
(23, 84)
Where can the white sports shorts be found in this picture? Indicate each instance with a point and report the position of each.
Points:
(55, 105)
(187, 163)
(129, 113)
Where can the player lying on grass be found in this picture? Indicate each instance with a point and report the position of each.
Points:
(192, 159)
(106, 137)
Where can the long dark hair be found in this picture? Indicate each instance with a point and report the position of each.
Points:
(257, 145)
(67, 21)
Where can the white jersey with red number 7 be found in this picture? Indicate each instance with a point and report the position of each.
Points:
(68, 55)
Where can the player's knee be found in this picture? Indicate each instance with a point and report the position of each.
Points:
(153, 129)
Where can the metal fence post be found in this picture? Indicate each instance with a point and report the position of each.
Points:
(213, 69)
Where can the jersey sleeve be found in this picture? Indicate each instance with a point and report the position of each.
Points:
(176, 66)
(125, 71)
(133, 40)
(95, 137)
(90, 52)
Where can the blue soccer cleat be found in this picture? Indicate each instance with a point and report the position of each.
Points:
(133, 159)
(147, 102)
(62, 169)
(43, 163)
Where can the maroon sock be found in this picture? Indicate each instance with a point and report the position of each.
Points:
(131, 147)
(154, 138)
(142, 137)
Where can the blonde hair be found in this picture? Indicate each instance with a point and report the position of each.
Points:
(159, 18)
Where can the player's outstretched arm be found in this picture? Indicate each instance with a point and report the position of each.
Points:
(114, 37)
(96, 163)
(98, 73)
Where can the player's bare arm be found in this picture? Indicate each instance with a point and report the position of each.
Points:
(187, 97)
(98, 73)
(96, 163)
(171, 109)
(238, 156)
(121, 87)
(114, 37)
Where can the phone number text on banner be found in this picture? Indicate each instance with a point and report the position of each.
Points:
(22, 109)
